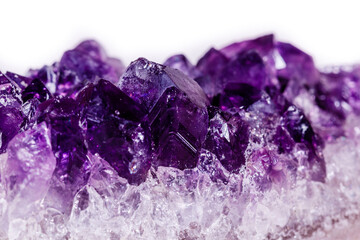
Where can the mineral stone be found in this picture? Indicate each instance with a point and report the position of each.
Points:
(178, 128)
(27, 170)
(251, 142)
(228, 140)
(115, 131)
(10, 112)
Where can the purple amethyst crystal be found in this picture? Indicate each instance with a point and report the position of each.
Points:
(67, 140)
(247, 68)
(301, 132)
(243, 79)
(11, 119)
(298, 71)
(155, 146)
(298, 126)
(180, 62)
(10, 112)
(337, 93)
(115, 131)
(178, 128)
(234, 76)
(32, 96)
(70, 151)
(146, 81)
(299, 66)
(228, 138)
(79, 67)
(36, 89)
(264, 46)
(283, 140)
(48, 75)
(211, 66)
(19, 80)
(174, 102)
(160, 116)
(28, 168)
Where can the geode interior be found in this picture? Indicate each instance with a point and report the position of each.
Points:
(251, 142)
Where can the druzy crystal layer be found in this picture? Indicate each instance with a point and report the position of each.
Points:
(251, 142)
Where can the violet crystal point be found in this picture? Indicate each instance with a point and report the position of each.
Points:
(115, 131)
(177, 109)
(68, 145)
(251, 142)
(36, 89)
(178, 128)
(181, 63)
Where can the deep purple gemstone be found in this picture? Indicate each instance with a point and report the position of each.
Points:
(20, 81)
(298, 71)
(239, 95)
(178, 128)
(175, 103)
(36, 89)
(32, 96)
(85, 64)
(211, 66)
(48, 75)
(104, 100)
(11, 120)
(115, 131)
(301, 131)
(3, 79)
(298, 126)
(181, 63)
(67, 141)
(10, 112)
(228, 140)
(72, 169)
(146, 81)
(248, 68)
(283, 140)
(263, 45)
(236, 111)
(337, 92)
(234, 82)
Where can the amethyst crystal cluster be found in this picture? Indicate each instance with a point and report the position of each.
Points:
(247, 120)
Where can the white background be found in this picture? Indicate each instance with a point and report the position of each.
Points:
(34, 33)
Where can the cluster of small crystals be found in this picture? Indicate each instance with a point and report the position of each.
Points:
(244, 144)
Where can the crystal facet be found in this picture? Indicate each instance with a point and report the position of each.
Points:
(115, 131)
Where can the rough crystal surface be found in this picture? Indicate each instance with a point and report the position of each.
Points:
(27, 170)
(251, 142)
(228, 140)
